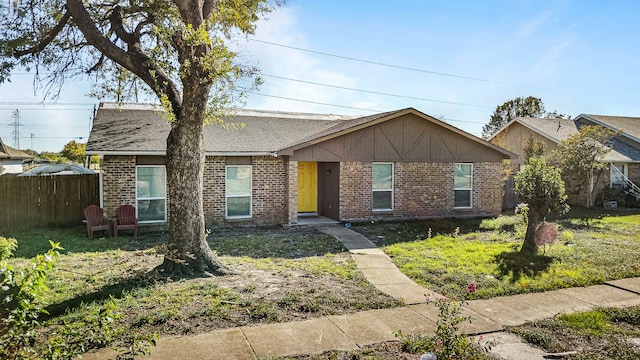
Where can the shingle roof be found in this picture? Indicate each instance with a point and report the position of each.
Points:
(629, 125)
(553, 129)
(557, 130)
(138, 129)
(7, 152)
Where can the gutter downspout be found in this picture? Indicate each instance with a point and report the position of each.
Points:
(101, 183)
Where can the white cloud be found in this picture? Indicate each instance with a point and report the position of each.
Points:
(282, 28)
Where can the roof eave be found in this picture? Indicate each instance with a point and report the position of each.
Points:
(163, 153)
(606, 126)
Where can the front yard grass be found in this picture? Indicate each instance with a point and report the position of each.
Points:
(447, 255)
(285, 274)
(605, 333)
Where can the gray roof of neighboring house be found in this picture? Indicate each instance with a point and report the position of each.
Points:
(557, 130)
(553, 129)
(630, 126)
(7, 152)
(141, 129)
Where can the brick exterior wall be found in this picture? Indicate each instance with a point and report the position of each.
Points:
(578, 195)
(213, 192)
(421, 190)
(270, 190)
(269, 186)
(118, 179)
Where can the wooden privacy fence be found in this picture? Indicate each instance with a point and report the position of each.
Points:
(54, 200)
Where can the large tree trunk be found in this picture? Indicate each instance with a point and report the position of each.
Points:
(188, 251)
(529, 245)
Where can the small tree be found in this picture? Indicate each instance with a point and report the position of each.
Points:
(74, 151)
(539, 185)
(580, 158)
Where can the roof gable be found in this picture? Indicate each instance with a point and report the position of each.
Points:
(403, 135)
(625, 148)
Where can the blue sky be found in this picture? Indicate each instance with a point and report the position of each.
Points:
(578, 56)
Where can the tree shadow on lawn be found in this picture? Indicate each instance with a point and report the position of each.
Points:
(118, 290)
(514, 265)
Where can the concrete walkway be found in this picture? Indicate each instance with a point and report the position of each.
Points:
(350, 332)
(377, 267)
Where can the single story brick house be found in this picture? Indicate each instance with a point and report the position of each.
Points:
(623, 160)
(277, 166)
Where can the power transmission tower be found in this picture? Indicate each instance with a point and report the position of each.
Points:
(16, 129)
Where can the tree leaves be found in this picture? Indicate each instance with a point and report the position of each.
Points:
(518, 107)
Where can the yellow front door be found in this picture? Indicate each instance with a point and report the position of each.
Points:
(307, 186)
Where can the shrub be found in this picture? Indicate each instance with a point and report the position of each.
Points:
(448, 342)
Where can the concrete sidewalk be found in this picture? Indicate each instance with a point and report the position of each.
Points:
(350, 332)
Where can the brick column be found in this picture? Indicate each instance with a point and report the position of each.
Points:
(293, 192)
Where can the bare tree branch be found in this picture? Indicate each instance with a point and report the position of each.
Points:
(47, 39)
(133, 60)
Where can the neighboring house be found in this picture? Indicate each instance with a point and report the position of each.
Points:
(623, 159)
(11, 160)
(393, 165)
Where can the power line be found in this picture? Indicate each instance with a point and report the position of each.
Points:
(375, 92)
(312, 102)
(381, 63)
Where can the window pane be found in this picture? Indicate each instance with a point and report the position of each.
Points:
(239, 206)
(238, 180)
(462, 176)
(382, 176)
(151, 210)
(462, 198)
(382, 200)
(151, 182)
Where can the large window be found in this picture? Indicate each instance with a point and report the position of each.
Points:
(238, 190)
(382, 184)
(462, 185)
(151, 193)
(618, 172)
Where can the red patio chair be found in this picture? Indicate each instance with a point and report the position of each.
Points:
(126, 220)
(95, 220)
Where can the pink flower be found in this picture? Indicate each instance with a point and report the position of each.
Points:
(471, 287)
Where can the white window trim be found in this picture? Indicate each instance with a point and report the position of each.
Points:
(227, 196)
(384, 190)
(470, 189)
(153, 197)
(625, 172)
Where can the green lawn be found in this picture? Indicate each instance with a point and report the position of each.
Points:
(285, 274)
(447, 255)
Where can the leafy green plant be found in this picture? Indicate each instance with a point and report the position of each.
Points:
(21, 306)
(448, 342)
